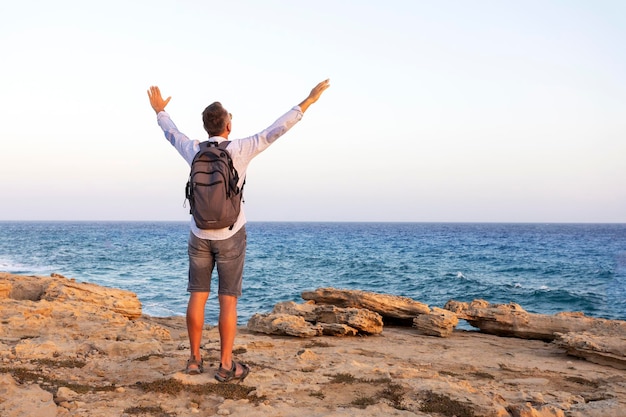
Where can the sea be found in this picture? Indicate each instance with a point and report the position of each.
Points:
(545, 268)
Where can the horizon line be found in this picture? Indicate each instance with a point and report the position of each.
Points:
(330, 221)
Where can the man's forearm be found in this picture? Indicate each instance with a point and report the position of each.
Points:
(305, 104)
(314, 95)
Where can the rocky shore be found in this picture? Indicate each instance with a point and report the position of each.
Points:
(77, 349)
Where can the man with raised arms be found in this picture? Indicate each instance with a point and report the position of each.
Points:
(224, 248)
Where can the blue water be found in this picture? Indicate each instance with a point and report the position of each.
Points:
(546, 268)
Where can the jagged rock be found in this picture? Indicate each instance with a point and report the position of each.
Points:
(308, 319)
(604, 349)
(304, 310)
(311, 313)
(364, 321)
(391, 307)
(123, 302)
(598, 340)
(512, 320)
(36, 308)
(283, 324)
(438, 322)
(57, 288)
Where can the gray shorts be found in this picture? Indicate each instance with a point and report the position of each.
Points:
(229, 255)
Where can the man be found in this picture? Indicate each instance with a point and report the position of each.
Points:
(222, 247)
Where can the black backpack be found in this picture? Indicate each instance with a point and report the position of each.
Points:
(212, 191)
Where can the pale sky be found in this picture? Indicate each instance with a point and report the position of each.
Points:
(451, 111)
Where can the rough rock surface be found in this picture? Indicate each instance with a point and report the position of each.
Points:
(394, 309)
(283, 324)
(21, 401)
(95, 362)
(597, 340)
(49, 315)
(306, 320)
(60, 289)
(391, 307)
(606, 349)
(438, 322)
(512, 320)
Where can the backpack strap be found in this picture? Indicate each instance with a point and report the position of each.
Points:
(207, 143)
(233, 186)
(223, 145)
(203, 146)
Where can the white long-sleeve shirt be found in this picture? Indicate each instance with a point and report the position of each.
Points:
(242, 151)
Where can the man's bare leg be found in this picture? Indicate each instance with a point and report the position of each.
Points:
(195, 322)
(228, 329)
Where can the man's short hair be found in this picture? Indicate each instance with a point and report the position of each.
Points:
(215, 118)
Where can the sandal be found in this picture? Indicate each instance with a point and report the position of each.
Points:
(225, 375)
(198, 366)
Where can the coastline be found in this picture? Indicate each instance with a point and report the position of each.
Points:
(76, 349)
(582, 271)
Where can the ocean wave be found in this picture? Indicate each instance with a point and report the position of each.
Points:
(13, 267)
(457, 274)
